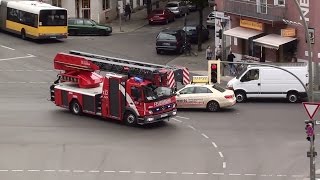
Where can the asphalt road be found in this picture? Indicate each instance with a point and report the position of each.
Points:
(256, 140)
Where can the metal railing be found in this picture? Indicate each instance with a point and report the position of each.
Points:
(268, 12)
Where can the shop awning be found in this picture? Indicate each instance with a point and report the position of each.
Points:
(242, 33)
(272, 41)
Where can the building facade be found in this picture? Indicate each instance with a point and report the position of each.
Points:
(101, 11)
(271, 30)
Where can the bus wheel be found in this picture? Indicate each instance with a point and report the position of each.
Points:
(23, 34)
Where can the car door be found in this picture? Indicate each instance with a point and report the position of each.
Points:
(79, 26)
(183, 97)
(250, 82)
(201, 97)
(89, 28)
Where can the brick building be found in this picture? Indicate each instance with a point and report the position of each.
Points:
(270, 29)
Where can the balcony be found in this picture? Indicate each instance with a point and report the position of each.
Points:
(267, 12)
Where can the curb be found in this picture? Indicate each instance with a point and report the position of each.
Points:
(132, 30)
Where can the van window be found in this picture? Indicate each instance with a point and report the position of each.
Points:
(251, 75)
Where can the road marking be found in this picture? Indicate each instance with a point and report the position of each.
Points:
(21, 57)
(202, 173)
(15, 82)
(187, 173)
(124, 171)
(231, 174)
(182, 117)
(16, 170)
(171, 173)
(109, 171)
(78, 171)
(214, 144)
(49, 170)
(205, 136)
(224, 165)
(281, 175)
(94, 171)
(4, 170)
(64, 170)
(7, 47)
(250, 174)
(192, 127)
(155, 172)
(298, 176)
(33, 170)
(218, 174)
(220, 153)
(176, 120)
(27, 70)
(140, 172)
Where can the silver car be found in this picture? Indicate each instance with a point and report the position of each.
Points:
(178, 8)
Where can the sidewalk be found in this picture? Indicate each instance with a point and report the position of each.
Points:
(139, 19)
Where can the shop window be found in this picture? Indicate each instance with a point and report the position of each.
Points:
(105, 4)
(56, 3)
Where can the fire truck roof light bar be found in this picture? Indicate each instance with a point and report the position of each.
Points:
(120, 60)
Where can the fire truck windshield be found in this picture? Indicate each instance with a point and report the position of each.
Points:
(152, 93)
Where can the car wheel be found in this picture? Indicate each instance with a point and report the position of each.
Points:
(150, 23)
(174, 18)
(102, 32)
(213, 106)
(292, 97)
(72, 32)
(75, 107)
(180, 50)
(23, 34)
(167, 21)
(240, 96)
(130, 119)
(158, 51)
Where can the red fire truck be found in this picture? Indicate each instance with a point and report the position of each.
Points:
(130, 91)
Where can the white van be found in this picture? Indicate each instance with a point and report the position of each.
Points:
(268, 82)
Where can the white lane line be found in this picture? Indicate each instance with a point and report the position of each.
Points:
(188, 173)
(140, 172)
(49, 170)
(250, 174)
(232, 174)
(4, 170)
(64, 170)
(22, 57)
(192, 127)
(176, 120)
(220, 153)
(155, 172)
(31, 55)
(224, 165)
(297, 176)
(124, 171)
(281, 175)
(218, 174)
(78, 171)
(182, 117)
(16, 170)
(109, 171)
(33, 170)
(265, 175)
(202, 173)
(94, 171)
(214, 144)
(7, 47)
(171, 173)
(205, 136)
(28, 70)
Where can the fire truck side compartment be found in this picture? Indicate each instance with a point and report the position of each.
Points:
(64, 98)
(114, 91)
(88, 103)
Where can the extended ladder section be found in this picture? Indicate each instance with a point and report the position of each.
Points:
(136, 68)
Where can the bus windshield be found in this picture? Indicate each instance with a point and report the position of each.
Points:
(53, 18)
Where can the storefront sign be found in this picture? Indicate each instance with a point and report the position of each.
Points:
(251, 24)
(289, 32)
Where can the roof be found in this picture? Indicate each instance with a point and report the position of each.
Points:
(242, 33)
(273, 41)
(32, 6)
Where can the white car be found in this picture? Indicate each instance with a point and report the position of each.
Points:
(211, 20)
(211, 97)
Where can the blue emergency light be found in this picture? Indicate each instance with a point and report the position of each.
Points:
(137, 79)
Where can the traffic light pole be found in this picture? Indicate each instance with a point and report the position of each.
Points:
(312, 159)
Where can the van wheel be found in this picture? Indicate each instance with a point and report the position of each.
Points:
(130, 119)
(23, 34)
(76, 107)
(213, 106)
(241, 96)
(292, 97)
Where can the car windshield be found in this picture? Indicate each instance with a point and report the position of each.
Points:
(171, 5)
(166, 36)
(152, 93)
(241, 72)
(157, 12)
(189, 28)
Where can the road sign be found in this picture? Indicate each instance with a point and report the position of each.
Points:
(311, 108)
(314, 154)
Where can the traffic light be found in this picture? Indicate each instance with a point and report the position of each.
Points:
(219, 34)
(309, 130)
(214, 73)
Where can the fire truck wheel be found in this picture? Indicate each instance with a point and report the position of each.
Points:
(76, 107)
(130, 118)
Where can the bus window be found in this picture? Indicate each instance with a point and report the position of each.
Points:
(53, 17)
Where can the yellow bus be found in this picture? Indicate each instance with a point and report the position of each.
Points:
(33, 19)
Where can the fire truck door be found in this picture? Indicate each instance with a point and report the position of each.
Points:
(115, 98)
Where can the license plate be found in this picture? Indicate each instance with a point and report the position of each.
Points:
(164, 115)
(53, 37)
(166, 44)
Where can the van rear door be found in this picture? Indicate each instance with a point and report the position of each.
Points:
(250, 82)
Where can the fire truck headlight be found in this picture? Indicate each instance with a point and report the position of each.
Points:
(150, 112)
(174, 105)
(150, 119)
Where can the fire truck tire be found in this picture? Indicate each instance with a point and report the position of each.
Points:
(130, 118)
(75, 107)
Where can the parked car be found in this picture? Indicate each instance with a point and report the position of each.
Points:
(170, 40)
(80, 26)
(210, 97)
(192, 34)
(178, 8)
(211, 20)
(191, 6)
(161, 16)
